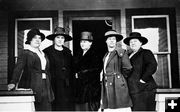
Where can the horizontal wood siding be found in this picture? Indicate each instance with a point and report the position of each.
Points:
(3, 49)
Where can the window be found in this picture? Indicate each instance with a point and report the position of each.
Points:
(158, 26)
(156, 29)
(19, 24)
(23, 25)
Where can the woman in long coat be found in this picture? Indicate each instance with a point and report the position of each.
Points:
(61, 69)
(141, 83)
(35, 67)
(87, 67)
(115, 93)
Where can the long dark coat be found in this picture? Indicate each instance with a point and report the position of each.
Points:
(144, 66)
(61, 69)
(30, 64)
(115, 93)
(88, 67)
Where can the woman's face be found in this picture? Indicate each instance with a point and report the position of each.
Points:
(36, 41)
(111, 42)
(59, 40)
(85, 44)
(135, 44)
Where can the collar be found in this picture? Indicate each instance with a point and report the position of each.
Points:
(33, 50)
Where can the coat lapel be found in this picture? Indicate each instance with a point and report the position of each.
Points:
(112, 54)
(83, 58)
(136, 54)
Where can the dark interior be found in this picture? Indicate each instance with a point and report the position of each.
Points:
(98, 29)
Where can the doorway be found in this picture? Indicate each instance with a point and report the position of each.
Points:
(95, 21)
(98, 29)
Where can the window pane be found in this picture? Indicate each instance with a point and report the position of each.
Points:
(161, 75)
(155, 29)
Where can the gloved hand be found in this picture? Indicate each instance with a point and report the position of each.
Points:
(11, 87)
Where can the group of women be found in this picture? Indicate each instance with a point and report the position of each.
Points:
(62, 82)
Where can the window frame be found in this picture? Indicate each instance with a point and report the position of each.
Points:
(168, 39)
(171, 12)
(30, 20)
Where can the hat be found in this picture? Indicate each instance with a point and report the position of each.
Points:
(59, 31)
(32, 33)
(113, 33)
(135, 35)
(86, 36)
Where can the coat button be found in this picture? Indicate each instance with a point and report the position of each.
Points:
(118, 76)
(110, 83)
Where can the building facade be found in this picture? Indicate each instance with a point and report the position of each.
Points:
(158, 20)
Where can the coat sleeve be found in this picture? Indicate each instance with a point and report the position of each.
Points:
(150, 65)
(126, 64)
(18, 68)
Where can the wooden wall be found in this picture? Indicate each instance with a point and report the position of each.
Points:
(3, 49)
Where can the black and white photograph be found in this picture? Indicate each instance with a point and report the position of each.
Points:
(90, 55)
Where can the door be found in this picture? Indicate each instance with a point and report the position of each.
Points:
(98, 29)
(97, 22)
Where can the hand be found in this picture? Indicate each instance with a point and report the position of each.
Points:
(11, 86)
(76, 75)
(142, 81)
(101, 75)
(100, 108)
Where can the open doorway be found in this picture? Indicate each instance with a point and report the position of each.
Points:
(96, 21)
(97, 27)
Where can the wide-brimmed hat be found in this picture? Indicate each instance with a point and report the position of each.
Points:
(113, 33)
(32, 33)
(59, 31)
(86, 36)
(135, 35)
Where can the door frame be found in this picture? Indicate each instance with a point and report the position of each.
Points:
(69, 16)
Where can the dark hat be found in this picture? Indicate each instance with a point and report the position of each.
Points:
(113, 33)
(135, 35)
(86, 36)
(32, 33)
(59, 31)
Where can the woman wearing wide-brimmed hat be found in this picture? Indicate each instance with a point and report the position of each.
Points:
(115, 94)
(61, 70)
(141, 83)
(87, 67)
(35, 67)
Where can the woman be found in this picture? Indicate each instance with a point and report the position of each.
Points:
(61, 70)
(141, 83)
(35, 67)
(87, 68)
(115, 94)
